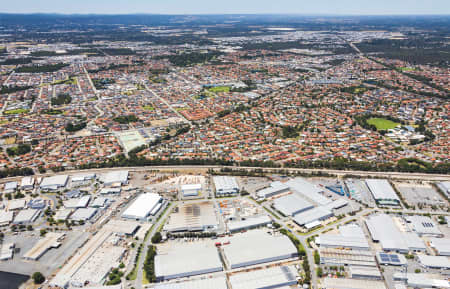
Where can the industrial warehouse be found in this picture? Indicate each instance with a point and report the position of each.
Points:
(193, 217)
(225, 185)
(382, 192)
(215, 282)
(291, 205)
(272, 277)
(147, 204)
(441, 246)
(249, 223)
(308, 190)
(54, 183)
(178, 260)
(383, 230)
(256, 247)
(274, 189)
(350, 237)
(227, 242)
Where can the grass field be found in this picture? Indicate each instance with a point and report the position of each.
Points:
(382, 124)
(407, 69)
(217, 89)
(148, 107)
(16, 111)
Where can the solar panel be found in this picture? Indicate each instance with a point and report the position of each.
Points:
(395, 259)
(383, 255)
(385, 259)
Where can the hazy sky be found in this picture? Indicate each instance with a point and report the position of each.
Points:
(228, 6)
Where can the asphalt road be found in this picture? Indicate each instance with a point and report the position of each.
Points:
(140, 277)
(394, 175)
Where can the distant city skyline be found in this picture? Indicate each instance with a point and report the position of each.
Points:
(333, 7)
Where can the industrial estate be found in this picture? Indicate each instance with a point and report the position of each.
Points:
(224, 152)
(198, 227)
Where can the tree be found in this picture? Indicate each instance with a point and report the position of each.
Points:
(38, 278)
(43, 232)
(316, 257)
(319, 272)
(157, 238)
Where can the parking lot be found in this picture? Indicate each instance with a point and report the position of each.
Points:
(421, 195)
(50, 261)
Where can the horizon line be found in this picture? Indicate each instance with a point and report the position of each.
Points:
(214, 14)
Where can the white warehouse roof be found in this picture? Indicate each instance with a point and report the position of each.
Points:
(292, 204)
(434, 261)
(143, 206)
(316, 214)
(26, 216)
(178, 260)
(308, 190)
(256, 247)
(83, 214)
(423, 225)
(382, 190)
(27, 182)
(6, 217)
(273, 277)
(274, 188)
(441, 245)
(351, 236)
(115, 177)
(189, 187)
(383, 229)
(249, 223)
(215, 282)
(54, 182)
(10, 186)
(225, 185)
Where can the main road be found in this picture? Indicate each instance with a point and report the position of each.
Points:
(336, 173)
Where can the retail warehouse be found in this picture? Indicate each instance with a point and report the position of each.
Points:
(257, 247)
(382, 192)
(147, 204)
(193, 217)
(178, 260)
